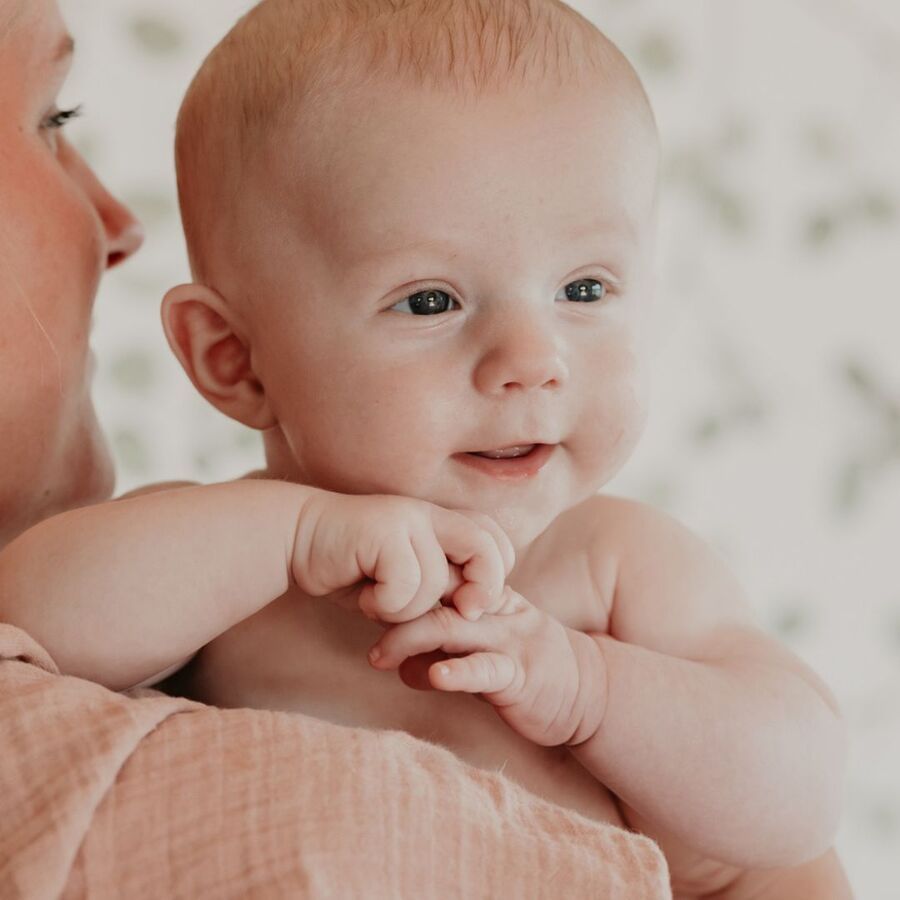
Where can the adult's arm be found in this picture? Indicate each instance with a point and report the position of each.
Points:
(111, 795)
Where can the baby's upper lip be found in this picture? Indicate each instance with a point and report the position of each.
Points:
(507, 445)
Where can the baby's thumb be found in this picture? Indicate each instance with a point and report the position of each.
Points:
(455, 581)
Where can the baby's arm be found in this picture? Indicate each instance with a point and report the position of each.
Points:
(820, 879)
(122, 592)
(712, 732)
(719, 743)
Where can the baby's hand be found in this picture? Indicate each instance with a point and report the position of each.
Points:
(546, 681)
(413, 553)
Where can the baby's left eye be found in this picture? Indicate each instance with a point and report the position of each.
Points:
(426, 303)
(585, 290)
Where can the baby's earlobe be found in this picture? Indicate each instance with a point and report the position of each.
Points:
(200, 328)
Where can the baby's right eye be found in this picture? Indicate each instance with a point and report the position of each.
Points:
(426, 303)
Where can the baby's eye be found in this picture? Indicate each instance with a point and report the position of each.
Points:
(585, 290)
(426, 303)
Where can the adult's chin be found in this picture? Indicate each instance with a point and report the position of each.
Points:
(97, 478)
(84, 473)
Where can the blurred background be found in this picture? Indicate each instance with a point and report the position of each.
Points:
(775, 428)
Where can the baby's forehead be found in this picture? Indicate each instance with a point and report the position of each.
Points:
(422, 162)
(274, 104)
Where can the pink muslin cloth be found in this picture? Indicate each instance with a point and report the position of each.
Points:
(105, 795)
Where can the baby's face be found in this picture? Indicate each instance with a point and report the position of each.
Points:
(468, 281)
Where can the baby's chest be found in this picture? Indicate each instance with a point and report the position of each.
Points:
(310, 657)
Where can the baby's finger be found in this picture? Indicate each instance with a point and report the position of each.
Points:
(434, 578)
(455, 581)
(443, 628)
(478, 673)
(471, 600)
(473, 548)
(504, 544)
(397, 577)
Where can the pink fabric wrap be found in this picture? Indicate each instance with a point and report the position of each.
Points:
(107, 795)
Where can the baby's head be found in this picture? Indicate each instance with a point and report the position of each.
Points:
(421, 230)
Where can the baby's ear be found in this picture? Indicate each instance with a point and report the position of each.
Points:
(202, 332)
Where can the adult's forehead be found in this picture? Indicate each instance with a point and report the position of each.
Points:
(10, 12)
(30, 22)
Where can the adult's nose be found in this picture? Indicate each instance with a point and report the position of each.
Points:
(124, 233)
(523, 355)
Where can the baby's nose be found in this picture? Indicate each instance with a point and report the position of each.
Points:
(524, 357)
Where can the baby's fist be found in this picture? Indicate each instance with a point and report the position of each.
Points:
(412, 553)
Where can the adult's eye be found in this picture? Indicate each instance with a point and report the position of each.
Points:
(426, 303)
(58, 118)
(585, 290)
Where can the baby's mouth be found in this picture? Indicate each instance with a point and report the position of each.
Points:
(515, 463)
(507, 453)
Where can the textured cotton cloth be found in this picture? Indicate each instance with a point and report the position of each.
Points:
(106, 795)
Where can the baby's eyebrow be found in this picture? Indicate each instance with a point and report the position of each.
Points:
(382, 254)
(603, 226)
(621, 224)
(619, 229)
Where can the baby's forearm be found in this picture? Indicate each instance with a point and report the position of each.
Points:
(120, 592)
(822, 879)
(741, 758)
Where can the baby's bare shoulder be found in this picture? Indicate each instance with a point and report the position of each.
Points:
(666, 588)
(570, 569)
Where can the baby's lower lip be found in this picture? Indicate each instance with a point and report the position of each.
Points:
(514, 469)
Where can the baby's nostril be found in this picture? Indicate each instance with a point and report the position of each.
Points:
(114, 259)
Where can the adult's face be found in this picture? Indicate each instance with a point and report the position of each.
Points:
(59, 231)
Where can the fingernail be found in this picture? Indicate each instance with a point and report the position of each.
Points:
(374, 655)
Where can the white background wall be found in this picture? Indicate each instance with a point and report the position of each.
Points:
(776, 426)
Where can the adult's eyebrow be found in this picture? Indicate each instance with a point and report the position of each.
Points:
(64, 49)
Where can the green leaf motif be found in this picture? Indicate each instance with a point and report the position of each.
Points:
(657, 54)
(793, 620)
(131, 451)
(156, 36)
(152, 207)
(134, 372)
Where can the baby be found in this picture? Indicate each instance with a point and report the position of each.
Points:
(422, 237)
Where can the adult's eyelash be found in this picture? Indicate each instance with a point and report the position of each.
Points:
(60, 117)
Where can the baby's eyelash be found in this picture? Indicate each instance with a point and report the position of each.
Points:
(61, 116)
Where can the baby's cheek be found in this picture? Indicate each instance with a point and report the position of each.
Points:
(614, 414)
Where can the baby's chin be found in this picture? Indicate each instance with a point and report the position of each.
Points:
(522, 526)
